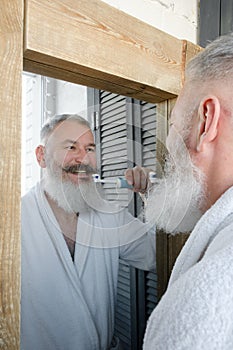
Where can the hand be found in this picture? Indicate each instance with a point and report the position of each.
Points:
(138, 177)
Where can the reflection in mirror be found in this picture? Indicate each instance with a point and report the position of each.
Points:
(125, 134)
(44, 97)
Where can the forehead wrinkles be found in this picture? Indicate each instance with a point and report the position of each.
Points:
(69, 130)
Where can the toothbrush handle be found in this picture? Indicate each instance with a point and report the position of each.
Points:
(122, 183)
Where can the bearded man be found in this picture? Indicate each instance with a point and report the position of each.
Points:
(196, 312)
(72, 240)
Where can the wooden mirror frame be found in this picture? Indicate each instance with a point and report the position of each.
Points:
(85, 42)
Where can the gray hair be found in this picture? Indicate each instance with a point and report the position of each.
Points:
(52, 122)
(214, 62)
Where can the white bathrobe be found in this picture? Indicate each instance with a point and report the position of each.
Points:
(68, 305)
(196, 312)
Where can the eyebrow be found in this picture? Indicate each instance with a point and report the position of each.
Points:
(91, 145)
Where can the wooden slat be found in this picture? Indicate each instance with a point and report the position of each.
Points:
(11, 30)
(162, 131)
(175, 244)
(189, 50)
(92, 43)
(161, 237)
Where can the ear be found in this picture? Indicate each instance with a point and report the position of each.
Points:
(208, 120)
(40, 156)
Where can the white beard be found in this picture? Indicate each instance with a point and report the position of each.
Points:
(175, 201)
(71, 197)
(66, 194)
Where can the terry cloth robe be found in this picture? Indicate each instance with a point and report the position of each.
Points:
(196, 312)
(69, 305)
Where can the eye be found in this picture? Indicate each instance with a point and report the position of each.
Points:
(71, 147)
(90, 149)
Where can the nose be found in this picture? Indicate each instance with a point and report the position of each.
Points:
(80, 155)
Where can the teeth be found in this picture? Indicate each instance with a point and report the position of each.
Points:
(74, 171)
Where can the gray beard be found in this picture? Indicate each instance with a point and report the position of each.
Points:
(75, 198)
(67, 195)
(175, 202)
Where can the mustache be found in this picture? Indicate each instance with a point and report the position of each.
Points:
(79, 168)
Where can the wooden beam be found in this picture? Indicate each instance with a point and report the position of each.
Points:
(11, 64)
(189, 51)
(94, 44)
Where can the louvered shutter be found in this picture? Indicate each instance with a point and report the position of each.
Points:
(113, 145)
(148, 123)
(125, 136)
(113, 156)
(123, 315)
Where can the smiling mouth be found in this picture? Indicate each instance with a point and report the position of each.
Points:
(78, 169)
(79, 172)
(74, 171)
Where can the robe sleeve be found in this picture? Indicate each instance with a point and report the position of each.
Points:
(140, 251)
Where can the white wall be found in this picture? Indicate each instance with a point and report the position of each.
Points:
(71, 98)
(176, 17)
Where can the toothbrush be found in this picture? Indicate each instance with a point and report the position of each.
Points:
(121, 182)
